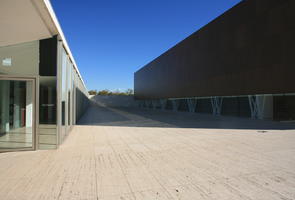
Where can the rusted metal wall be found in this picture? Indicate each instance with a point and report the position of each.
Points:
(250, 49)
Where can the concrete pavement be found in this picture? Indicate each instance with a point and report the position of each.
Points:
(138, 154)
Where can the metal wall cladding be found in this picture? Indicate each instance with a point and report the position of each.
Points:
(247, 50)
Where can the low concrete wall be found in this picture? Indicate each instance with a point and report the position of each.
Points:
(115, 101)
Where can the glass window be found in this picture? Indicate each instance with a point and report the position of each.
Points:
(47, 113)
(16, 114)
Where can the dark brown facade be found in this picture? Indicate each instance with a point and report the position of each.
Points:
(250, 49)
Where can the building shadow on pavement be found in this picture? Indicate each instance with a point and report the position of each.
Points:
(97, 115)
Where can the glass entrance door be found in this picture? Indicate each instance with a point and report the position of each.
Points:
(17, 108)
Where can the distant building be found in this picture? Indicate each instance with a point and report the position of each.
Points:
(42, 93)
(241, 64)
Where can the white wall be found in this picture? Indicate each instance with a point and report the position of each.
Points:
(68, 81)
(24, 57)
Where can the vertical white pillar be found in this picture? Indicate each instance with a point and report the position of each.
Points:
(29, 104)
(261, 106)
(256, 105)
(192, 103)
(216, 103)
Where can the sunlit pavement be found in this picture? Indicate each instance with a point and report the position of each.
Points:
(117, 154)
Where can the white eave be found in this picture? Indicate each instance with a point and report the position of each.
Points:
(28, 20)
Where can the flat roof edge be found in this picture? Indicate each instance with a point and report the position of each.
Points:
(61, 34)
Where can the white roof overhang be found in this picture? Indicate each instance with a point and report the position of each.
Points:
(28, 20)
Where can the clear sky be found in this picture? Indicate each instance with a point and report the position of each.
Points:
(111, 39)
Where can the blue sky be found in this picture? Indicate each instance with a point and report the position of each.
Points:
(111, 39)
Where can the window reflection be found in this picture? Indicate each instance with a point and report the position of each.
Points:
(47, 100)
(16, 114)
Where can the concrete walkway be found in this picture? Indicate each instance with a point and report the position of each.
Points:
(120, 155)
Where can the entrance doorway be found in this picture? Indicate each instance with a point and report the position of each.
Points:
(17, 114)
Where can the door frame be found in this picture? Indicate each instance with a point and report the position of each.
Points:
(35, 120)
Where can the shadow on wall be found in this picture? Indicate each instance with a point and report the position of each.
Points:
(114, 100)
(98, 115)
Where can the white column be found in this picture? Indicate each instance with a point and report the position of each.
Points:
(256, 105)
(216, 103)
(261, 106)
(29, 104)
(191, 103)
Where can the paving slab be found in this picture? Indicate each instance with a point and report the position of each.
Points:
(135, 154)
